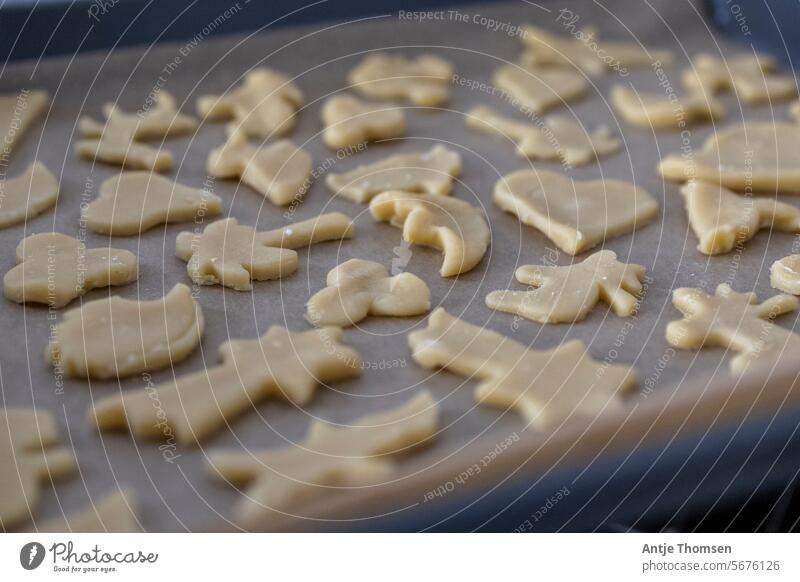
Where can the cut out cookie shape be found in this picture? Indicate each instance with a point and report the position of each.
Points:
(331, 456)
(450, 225)
(279, 171)
(121, 150)
(116, 337)
(575, 215)
(751, 78)
(546, 387)
(558, 138)
(233, 255)
(761, 156)
(359, 288)
(27, 195)
(264, 105)
(281, 364)
(430, 172)
(423, 81)
(18, 111)
(54, 269)
(349, 121)
(538, 90)
(568, 294)
(658, 111)
(133, 202)
(734, 321)
(721, 219)
(30, 459)
(114, 513)
(785, 274)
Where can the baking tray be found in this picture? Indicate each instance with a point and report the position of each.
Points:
(692, 392)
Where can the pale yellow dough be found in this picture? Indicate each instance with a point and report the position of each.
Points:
(133, 202)
(450, 225)
(734, 321)
(538, 90)
(575, 215)
(18, 111)
(329, 458)
(556, 138)
(30, 459)
(423, 80)
(794, 110)
(429, 172)
(755, 156)
(349, 121)
(54, 269)
(263, 106)
(116, 337)
(114, 513)
(280, 365)
(121, 150)
(358, 288)
(27, 195)
(234, 255)
(278, 171)
(658, 111)
(785, 274)
(568, 294)
(546, 387)
(721, 219)
(750, 78)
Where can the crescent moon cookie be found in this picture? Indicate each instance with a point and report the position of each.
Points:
(27, 195)
(660, 111)
(750, 78)
(423, 80)
(575, 215)
(538, 90)
(349, 121)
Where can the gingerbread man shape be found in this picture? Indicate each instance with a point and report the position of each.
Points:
(422, 81)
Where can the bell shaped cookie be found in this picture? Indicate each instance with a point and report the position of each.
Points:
(423, 80)
(662, 111)
(27, 195)
(537, 90)
(349, 121)
(751, 78)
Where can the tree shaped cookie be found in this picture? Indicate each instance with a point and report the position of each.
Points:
(734, 321)
(568, 294)
(785, 274)
(423, 80)
(359, 288)
(279, 171)
(263, 106)
(760, 156)
(430, 172)
(114, 513)
(575, 215)
(349, 121)
(116, 337)
(280, 364)
(30, 460)
(660, 111)
(721, 219)
(559, 138)
(27, 195)
(450, 225)
(546, 387)
(18, 111)
(330, 457)
(133, 202)
(751, 78)
(233, 255)
(53, 268)
(538, 90)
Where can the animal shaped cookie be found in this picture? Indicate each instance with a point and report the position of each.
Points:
(751, 78)
(661, 111)
(349, 121)
(423, 80)
(537, 90)
(27, 195)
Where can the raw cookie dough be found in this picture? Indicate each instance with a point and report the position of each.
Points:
(279, 171)
(133, 202)
(556, 138)
(114, 513)
(116, 337)
(358, 288)
(721, 219)
(575, 215)
(785, 274)
(29, 459)
(430, 172)
(750, 78)
(349, 121)
(121, 150)
(27, 195)
(423, 80)
(53, 268)
(568, 294)
(450, 225)
(546, 387)
(281, 364)
(757, 155)
(233, 255)
(263, 106)
(18, 111)
(330, 457)
(794, 110)
(658, 111)
(538, 90)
